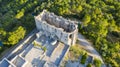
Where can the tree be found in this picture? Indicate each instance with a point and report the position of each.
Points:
(101, 18)
(84, 57)
(2, 34)
(113, 63)
(79, 9)
(89, 65)
(16, 35)
(22, 1)
(1, 49)
(97, 63)
(86, 19)
(20, 14)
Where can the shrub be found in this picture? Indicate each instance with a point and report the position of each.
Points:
(76, 50)
(0, 49)
(89, 65)
(35, 44)
(97, 63)
(44, 49)
(113, 63)
(83, 59)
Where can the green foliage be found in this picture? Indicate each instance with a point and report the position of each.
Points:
(35, 44)
(101, 20)
(0, 48)
(86, 19)
(83, 59)
(76, 51)
(44, 49)
(89, 65)
(39, 45)
(17, 35)
(113, 63)
(20, 14)
(97, 63)
(2, 34)
(22, 1)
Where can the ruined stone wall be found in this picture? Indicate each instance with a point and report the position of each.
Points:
(66, 32)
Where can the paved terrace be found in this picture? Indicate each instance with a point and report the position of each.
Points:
(54, 53)
(32, 55)
(35, 56)
(58, 54)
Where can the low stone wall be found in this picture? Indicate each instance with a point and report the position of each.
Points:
(68, 47)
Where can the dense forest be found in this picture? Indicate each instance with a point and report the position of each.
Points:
(100, 22)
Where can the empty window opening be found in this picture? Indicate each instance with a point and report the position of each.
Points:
(70, 36)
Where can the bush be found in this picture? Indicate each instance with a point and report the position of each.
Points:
(89, 65)
(44, 49)
(113, 63)
(0, 49)
(97, 63)
(76, 50)
(35, 44)
(83, 59)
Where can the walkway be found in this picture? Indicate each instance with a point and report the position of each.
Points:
(57, 53)
(87, 46)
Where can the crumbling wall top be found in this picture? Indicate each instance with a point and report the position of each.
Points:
(57, 21)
